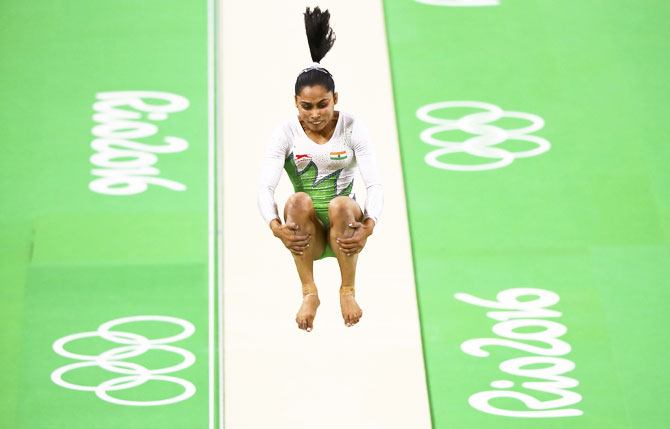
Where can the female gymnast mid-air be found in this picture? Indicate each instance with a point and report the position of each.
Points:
(319, 149)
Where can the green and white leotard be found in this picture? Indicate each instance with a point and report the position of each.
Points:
(323, 171)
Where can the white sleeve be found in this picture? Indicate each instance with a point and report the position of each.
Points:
(367, 165)
(277, 151)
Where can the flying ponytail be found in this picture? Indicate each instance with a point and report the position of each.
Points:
(319, 34)
(321, 38)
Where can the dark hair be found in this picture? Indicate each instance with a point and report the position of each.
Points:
(320, 38)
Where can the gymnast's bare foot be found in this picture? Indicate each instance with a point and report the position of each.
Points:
(351, 312)
(307, 312)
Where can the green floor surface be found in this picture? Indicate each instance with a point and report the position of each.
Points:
(587, 219)
(104, 213)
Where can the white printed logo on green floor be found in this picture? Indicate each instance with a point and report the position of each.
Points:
(460, 3)
(125, 166)
(487, 136)
(515, 317)
(115, 360)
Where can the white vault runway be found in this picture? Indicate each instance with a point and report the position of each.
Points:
(275, 375)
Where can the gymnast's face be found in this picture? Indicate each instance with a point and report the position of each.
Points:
(316, 106)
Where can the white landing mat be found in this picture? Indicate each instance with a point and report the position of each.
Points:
(275, 375)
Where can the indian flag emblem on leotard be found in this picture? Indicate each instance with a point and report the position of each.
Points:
(338, 155)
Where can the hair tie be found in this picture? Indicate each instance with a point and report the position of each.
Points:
(315, 66)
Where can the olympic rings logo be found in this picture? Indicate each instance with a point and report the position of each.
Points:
(486, 135)
(460, 2)
(112, 360)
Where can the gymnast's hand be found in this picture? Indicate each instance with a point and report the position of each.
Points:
(356, 243)
(288, 234)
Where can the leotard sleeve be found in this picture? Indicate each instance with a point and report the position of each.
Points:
(367, 165)
(278, 149)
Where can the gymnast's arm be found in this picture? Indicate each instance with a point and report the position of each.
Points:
(367, 165)
(277, 150)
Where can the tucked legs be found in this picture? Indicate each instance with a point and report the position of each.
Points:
(343, 213)
(301, 217)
